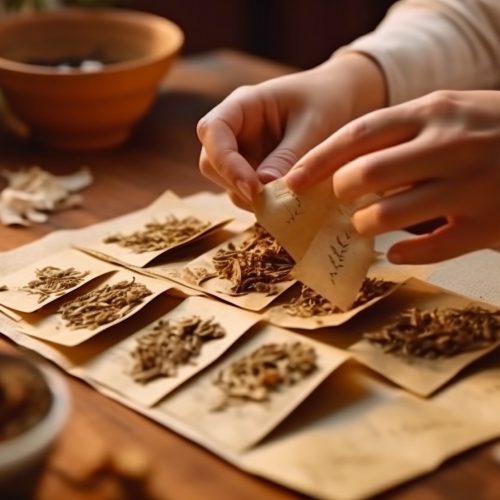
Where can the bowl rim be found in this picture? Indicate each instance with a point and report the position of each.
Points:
(35, 441)
(119, 14)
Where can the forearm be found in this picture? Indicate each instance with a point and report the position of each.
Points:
(427, 45)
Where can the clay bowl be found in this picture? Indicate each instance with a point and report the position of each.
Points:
(35, 408)
(80, 79)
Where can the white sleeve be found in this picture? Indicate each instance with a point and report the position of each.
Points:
(427, 45)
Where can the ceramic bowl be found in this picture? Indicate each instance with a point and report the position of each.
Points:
(81, 78)
(23, 456)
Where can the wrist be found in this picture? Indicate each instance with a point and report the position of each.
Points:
(361, 79)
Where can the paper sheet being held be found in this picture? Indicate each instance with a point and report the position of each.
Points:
(316, 230)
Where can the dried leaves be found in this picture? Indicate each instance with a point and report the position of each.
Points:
(439, 333)
(310, 304)
(268, 369)
(254, 266)
(158, 236)
(103, 305)
(171, 344)
(52, 280)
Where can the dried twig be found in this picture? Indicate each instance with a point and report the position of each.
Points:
(170, 344)
(439, 333)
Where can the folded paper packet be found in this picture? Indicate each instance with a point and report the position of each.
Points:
(316, 230)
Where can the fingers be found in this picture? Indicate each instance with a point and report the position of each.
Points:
(218, 133)
(241, 200)
(393, 168)
(406, 208)
(299, 138)
(374, 131)
(449, 241)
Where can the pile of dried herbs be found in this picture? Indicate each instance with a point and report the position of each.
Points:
(268, 369)
(54, 281)
(103, 305)
(256, 265)
(309, 303)
(160, 235)
(439, 333)
(170, 344)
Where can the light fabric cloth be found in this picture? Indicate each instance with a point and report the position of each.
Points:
(427, 45)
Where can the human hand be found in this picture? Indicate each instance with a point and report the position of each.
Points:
(435, 156)
(259, 132)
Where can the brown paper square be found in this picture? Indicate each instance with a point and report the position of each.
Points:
(420, 376)
(316, 230)
(47, 324)
(219, 287)
(169, 205)
(17, 297)
(240, 426)
(112, 366)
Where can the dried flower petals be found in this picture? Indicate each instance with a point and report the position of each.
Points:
(439, 333)
(103, 305)
(254, 266)
(268, 369)
(157, 236)
(33, 192)
(52, 280)
(170, 344)
(309, 303)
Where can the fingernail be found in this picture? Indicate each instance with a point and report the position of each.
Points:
(296, 178)
(244, 190)
(267, 174)
(395, 257)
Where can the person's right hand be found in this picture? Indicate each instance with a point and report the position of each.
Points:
(259, 132)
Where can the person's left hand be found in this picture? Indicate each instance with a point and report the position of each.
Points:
(436, 156)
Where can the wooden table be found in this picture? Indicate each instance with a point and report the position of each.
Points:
(162, 155)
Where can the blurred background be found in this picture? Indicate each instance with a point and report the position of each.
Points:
(302, 33)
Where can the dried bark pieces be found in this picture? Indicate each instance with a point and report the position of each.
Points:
(439, 333)
(170, 344)
(157, 236)
(309, 303)
(256, 265)
(270, 368)
(52, 280)
(103, 305)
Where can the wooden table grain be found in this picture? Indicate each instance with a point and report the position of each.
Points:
(163, 154)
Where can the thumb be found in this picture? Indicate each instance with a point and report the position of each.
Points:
(296, 143)
(277, 163)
